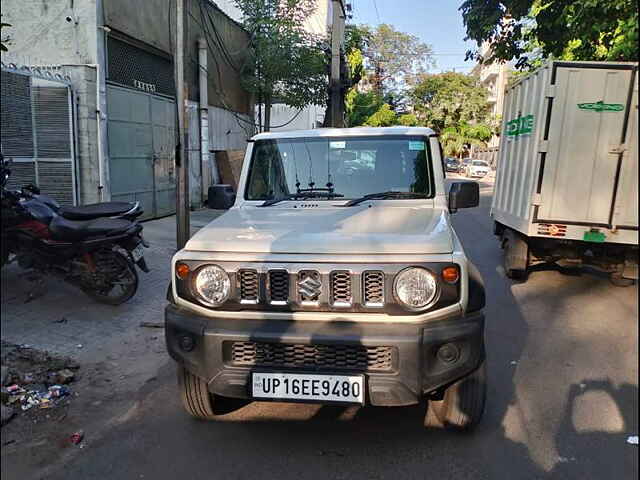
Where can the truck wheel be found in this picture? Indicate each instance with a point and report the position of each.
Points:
(462, 405)
(619, 281)
(196, 399)
(516, 255)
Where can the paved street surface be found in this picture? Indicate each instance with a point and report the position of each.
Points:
(563, 395)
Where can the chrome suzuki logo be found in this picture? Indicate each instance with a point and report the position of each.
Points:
(310, 287)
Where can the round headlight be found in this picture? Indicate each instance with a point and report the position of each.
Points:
(212, 285)
(415, 287)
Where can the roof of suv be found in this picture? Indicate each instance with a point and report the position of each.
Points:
(346, 132)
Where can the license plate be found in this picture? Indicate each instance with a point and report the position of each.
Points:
(137, 253)
(309, 387)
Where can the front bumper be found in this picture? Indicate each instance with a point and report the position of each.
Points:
(417, 369)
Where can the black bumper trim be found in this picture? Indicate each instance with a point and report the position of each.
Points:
(419, 370)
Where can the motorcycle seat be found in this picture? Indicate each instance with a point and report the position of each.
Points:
(95, 210)
(72, 230)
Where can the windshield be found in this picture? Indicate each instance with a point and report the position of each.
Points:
(349, 166)
(479, 163)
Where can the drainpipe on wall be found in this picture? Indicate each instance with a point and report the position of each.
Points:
(98, 124)
(206, 159)
(99, 135)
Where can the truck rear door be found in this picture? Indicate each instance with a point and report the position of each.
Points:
(585, 136)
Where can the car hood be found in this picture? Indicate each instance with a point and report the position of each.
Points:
(371, 228)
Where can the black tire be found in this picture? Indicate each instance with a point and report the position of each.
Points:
(196, 399)
(510, 272)
(127, 269)
(619, 281)
(462, 405)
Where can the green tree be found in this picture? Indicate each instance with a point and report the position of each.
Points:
(408, 120)
(449, 99)
(395, 57)
(287, 64)
(456, 139)
(569, 29)
(384, 117)
(360, 106)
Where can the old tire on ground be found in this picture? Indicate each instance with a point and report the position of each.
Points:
(196, 399)
(462, 405)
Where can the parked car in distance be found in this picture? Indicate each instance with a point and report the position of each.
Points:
(452, 165)
(327, 286)
(477, 168)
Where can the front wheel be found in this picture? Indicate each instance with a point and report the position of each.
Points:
(196, 399)
(462, 405)
(114, 279)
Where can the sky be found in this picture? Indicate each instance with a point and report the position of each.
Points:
(436, 22)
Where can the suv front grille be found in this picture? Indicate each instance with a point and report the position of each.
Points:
(373, 289)
(341, 288)
(331, 357)
(249, 286)
(278, 287)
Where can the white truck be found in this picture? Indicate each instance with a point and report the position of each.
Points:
(566, 186)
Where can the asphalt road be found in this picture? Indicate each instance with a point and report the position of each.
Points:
(563, 397)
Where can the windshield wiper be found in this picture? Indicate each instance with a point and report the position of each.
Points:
(383, 196)
(303, 194)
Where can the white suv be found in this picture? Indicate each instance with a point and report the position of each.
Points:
(334, 277)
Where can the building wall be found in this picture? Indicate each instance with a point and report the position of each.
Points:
(63, 36)
(495, 78)
(151, 20)
(41, 34)
(83, 80)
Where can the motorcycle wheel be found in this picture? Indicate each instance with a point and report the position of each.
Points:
(121, 281)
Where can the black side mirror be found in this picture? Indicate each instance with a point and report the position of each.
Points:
(463, 195)
(221, 197)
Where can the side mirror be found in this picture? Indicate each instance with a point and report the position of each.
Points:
(221, 197)
(463, 195)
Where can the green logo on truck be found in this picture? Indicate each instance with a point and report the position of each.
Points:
(522, 125)
(601, 107)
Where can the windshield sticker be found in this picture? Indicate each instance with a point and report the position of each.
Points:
(416, 145)
(601, 107)
(342, 144)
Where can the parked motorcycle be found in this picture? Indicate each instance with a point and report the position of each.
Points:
(125, 210)
(98, 255)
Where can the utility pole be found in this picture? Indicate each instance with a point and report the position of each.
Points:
(335, 81)
(183, 230)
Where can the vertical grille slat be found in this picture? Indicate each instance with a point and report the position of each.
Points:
(278, 287)
(341, 295)
(249, 286)
(373, 289)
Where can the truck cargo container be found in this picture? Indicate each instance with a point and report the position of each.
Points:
(566, 186)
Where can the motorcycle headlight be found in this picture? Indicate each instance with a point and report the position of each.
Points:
(212, 285)
(415, 287)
